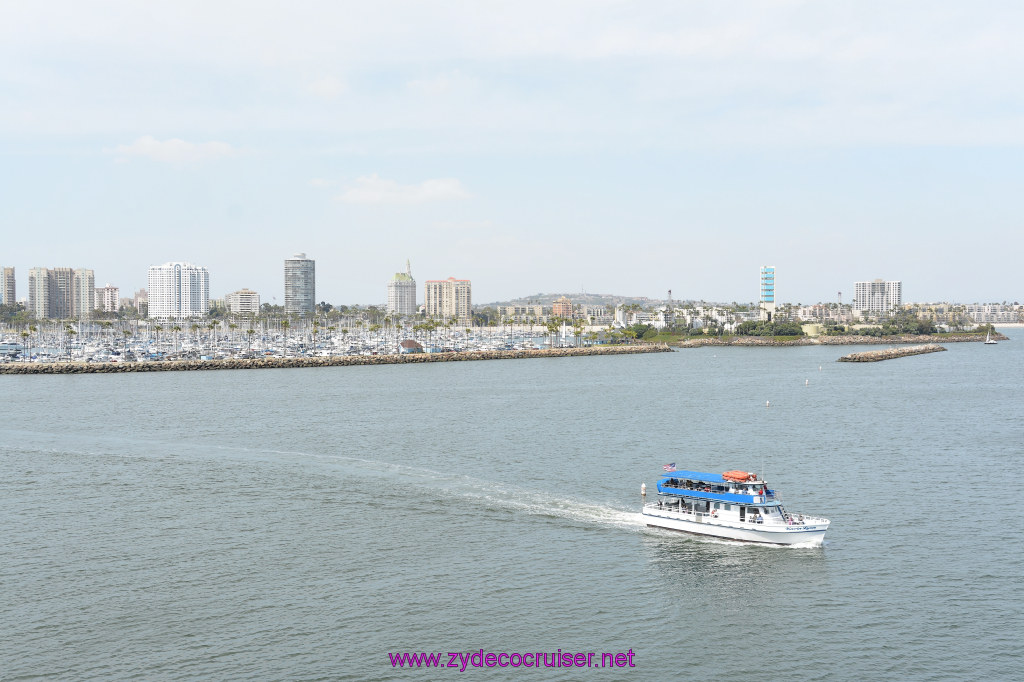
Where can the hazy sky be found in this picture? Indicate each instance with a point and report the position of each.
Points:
(611, 147)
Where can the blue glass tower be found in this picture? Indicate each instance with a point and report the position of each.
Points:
(767, 292)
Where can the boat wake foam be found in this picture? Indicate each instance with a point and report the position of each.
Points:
(492, 495)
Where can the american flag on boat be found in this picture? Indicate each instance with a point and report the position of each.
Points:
(669, 467)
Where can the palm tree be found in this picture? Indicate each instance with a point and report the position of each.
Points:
(25, 346)
(577, 329)
(552, 326)
(176, 328)
(69, 334)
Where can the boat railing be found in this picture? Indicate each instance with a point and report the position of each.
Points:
(773, 495)
(798, 519)
(675, 509)
(788, 518)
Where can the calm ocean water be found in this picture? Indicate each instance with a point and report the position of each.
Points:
(301, 524)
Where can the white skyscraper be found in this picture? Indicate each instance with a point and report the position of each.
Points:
(449, 299)
(178, 291)
(299, 285)
(402, 293)
(877, 297)
(83, 293)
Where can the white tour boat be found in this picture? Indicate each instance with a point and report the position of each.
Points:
(736, 505)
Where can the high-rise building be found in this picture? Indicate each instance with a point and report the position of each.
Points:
(402, 293)
(877, 297)
(562, 307)
(107, 299)
(61, 293)
(299, 285)
(7, 293)
(449, 299)
(83, 293)
(39, 293)
(767, 292)
(62, 287)
(178, 291)
(242, 302)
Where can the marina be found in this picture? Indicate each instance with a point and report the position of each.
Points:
(241, 339)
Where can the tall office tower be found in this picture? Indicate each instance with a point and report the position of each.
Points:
(877, 297)
(767, 292)
(299, 285)
(450, 299)
(83, 293)
(178, 291)
(39, 293)
(242, 302)
(7, 296)
(60, 293)
(402, 293)
(107, 299)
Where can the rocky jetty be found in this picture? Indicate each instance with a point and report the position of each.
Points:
(844, 340)
(890, 353)
(331, 361)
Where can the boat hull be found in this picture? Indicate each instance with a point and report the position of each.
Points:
(766, 534)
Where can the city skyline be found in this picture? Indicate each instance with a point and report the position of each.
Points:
(629, 148)
(766, 301)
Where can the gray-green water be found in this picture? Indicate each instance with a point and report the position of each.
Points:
(301, 524)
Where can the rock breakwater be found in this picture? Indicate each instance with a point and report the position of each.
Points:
(832, 340)
(330, 361)
(890, 353)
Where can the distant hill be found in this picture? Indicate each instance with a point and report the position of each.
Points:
(594, 299)
(577, 297)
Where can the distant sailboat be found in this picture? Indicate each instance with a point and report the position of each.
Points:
(988, 338)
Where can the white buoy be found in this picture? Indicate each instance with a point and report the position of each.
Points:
(807, 382)
(767, 403)
(819, 368)
(643, 490)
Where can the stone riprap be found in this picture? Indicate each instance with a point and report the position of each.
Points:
(331, 361)
(890, 353)
(832, 340)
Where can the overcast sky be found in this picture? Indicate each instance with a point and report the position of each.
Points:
(611, 147)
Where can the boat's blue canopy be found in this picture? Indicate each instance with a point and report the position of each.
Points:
(694, 476)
